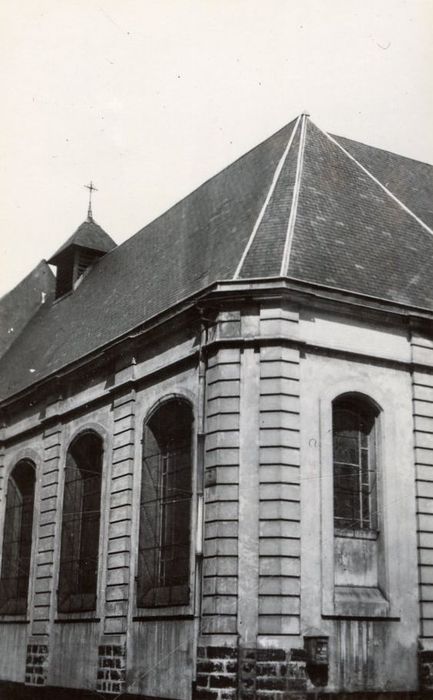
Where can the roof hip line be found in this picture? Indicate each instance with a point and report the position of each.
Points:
(267, 200)
(294, 207)
(378, 182)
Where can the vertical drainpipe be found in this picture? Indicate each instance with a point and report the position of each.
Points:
(201, 418)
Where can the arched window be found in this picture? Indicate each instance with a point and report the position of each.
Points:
(17, 539)
(80, 524)
(165, 507)
(354, 438)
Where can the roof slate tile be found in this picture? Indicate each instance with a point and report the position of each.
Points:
(397, 267)
(196, 242)
(266, 252)
(348, 233)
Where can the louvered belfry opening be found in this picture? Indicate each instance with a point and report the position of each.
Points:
(84, 259)
(71, 265)
(17, 539)
(80, 524)
(81, 251)
(355, 473)
(165, 507)
(65, 274)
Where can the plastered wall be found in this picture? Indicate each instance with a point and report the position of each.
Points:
(74, 650)
(261, 384)
(380, 651)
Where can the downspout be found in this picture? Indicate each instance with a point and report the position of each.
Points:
(200, 454)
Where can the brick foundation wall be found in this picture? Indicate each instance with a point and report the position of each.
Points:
(270, 674)
(111, 676)
(224, 673)
(36, 664)
(425, 659)
(216, 673)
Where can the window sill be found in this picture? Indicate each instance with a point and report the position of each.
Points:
(14, 619)
(165, 612)
(76, 617)
(360, 602)
(159, 614)
(359, 534)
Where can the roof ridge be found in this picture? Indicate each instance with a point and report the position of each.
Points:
(259, 219)
(378, 182)
(296, 190)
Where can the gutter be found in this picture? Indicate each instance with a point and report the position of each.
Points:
(265, 288)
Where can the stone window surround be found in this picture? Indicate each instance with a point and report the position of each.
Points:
(385, 458)
(168, 390)
(19, 511)
(74, 596)
(32, 455)
(159, 546)
(364, 515)
(72, 431)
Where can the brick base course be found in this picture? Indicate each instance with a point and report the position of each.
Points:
(217, 669)
(226, 673)
(36, 664)
(425, 659)
(111, 675)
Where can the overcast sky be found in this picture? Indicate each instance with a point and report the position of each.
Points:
(148, 99)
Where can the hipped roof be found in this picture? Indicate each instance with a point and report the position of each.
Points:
(302, 204)
(89, 236)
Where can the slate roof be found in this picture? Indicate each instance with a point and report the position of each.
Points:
(297, 205)
(19, 305)
(344, 228)
(89, 235)
(351, 234)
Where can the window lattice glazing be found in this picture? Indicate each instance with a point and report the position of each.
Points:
(17, 539)
(80, 525)
(354, 465)
(165, 508)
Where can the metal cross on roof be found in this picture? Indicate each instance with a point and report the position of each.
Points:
(91, 189)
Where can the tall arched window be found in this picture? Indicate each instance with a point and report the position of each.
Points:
(165, 507)
(355, 482)
(80, 524)
(17, 539)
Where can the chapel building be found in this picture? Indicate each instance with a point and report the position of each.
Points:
(216, 443)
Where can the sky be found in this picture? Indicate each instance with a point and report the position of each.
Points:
(148, 99)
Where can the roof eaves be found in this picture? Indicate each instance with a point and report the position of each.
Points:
(137, 330)
(367, 300)
(216, 288)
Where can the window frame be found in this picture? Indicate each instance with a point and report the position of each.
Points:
(19, 614)
(142, 609)
(367, 525)
(72, 609)
(369, 389)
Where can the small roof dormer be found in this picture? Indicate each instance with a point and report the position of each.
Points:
(78, 253)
